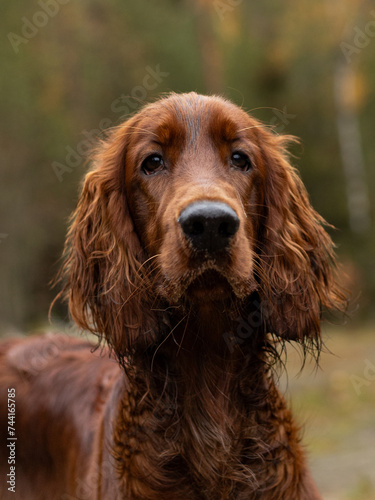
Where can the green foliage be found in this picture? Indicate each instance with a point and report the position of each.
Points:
(74, 75)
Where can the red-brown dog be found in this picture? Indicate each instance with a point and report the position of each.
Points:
(193, 252)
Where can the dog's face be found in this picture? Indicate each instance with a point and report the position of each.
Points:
(194, 200)
(193, 172)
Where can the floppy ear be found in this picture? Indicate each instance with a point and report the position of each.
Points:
(297, 261)
(103, 253)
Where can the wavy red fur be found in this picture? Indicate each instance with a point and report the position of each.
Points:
(185, 406)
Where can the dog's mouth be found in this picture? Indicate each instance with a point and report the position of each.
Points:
(208, 282)
(208, 286)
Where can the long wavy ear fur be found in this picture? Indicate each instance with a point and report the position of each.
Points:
(101, 274)
(296, 253)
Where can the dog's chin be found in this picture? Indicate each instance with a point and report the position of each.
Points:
(210, 286)
(205, 286)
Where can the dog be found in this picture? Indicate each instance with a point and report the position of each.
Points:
(194, 255)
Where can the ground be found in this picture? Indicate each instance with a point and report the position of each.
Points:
(336, 405)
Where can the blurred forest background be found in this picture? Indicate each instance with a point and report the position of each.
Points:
(70, 70)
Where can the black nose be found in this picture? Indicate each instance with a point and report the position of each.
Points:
(209, 225)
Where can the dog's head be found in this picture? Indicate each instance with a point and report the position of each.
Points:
(193, 201)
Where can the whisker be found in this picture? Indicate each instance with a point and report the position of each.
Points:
(164, 340)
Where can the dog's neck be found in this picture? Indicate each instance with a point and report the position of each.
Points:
(190, 401)
(226, 329)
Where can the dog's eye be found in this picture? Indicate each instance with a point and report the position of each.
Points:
(240, 161)
(152, 164)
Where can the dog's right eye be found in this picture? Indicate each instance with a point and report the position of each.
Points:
(152, 164)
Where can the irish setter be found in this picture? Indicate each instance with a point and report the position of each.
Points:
(195, 254)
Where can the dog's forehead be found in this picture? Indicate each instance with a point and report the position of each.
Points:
(190, 116)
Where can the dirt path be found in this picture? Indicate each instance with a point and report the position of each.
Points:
(337, 406)
(339, 473)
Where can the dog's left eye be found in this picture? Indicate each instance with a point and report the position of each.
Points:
(240, 161)
(152, 164)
